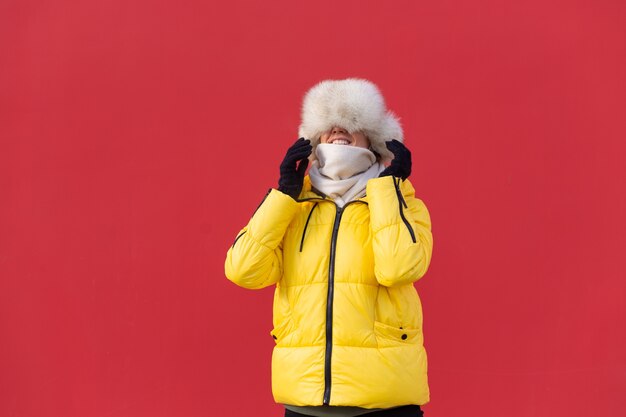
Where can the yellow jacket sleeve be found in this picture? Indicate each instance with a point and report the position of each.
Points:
(255, 259)
(401, 231)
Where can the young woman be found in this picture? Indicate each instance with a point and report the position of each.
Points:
(343, 245)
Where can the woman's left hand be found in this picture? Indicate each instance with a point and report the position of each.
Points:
(401, 163)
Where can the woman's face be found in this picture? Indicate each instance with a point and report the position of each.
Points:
(340, 136)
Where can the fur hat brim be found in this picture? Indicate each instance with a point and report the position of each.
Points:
(354, 104)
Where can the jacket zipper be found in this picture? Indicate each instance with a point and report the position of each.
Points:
(237, 238)
(306, 224)
(329, 301)
(401, 202)
(255, 210)
(262, 201)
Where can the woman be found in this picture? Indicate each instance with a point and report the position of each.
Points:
(343, 245)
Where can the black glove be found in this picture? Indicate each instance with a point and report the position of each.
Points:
(291, 177)
(401, 163)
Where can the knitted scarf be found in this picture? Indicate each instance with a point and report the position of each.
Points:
(342, 171)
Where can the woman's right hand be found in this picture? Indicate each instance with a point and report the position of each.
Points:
(292, 173)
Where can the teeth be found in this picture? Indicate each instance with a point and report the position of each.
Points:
(340, 142)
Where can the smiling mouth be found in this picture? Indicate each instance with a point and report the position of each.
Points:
(340, 141)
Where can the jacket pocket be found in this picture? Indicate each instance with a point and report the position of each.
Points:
(283, 332)
(390, 336)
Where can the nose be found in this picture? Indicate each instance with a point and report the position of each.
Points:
(337, 129)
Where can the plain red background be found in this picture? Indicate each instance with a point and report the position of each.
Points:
(137, 137)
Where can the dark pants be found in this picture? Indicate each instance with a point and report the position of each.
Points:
(404, 411)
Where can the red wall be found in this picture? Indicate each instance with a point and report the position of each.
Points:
(137, 137)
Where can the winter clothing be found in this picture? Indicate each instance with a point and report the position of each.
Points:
(401, 164)
(290, 181)
(342, 172)
(354, 104)
(347, 319)
(343, 246)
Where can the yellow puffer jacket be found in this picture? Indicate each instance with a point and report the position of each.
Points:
(347, 319)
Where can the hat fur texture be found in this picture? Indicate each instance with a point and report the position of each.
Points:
(353, 104)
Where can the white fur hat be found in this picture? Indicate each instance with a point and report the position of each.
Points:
(353, 104)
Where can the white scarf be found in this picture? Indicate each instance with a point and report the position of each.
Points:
(342, 171)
